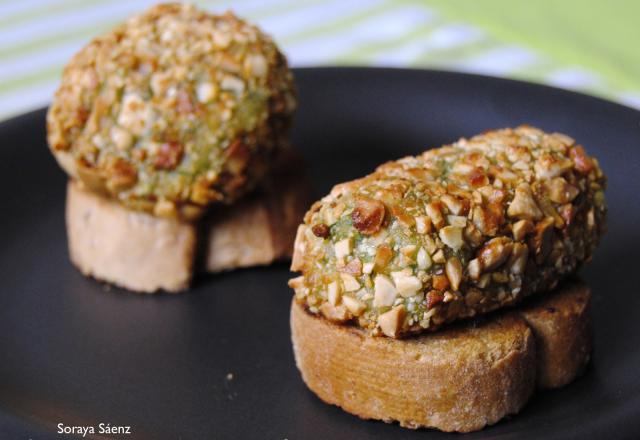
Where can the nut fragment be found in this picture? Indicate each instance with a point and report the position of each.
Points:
(521, 228)
(391, 322)
(353, 267)
(343, 248)
(320, 230)
(406, 284)
(457, 220)
(453, 270)
(518, 259)
(581, 161)
(355, 306)
(333, 293)
(451, 236)
(122, 175)
(299, 249)
(523, 204)
(367, 216)
(405, 219)
(550, 165)
(560, 191)
(434, 297)
(495, 252)
(296, 283)
(438, 257)
(384, 292)
(423, 259)
(542, 238)
(489, 218)
(473, 235)
(433, 210)
(454, 205)
(474, 269)
(349, 282)
(384, 254)
(423, 224)
(165, 208)
(334, 313)
(440, 282)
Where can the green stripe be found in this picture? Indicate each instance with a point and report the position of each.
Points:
(93, 29)
(51, 72)
(30, 79)
(601, 35)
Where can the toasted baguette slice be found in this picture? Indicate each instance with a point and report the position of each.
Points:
(260, 228)
(561, 325)
(144, 253)
(459, 379)
(130, 249)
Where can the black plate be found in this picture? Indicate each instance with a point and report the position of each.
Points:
(77, 353)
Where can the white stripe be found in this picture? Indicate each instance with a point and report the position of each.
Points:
(630, 99)
(573, 78)
(58, 55)
(26, 98)
(498, 61)
(454, 35)
(444, 37)
(289, 23)
(378, 29)
(247, 8)
(38, 61)
(10, 7)
(50, 25)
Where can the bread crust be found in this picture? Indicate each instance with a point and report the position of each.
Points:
(561, 324)
(461, 378)
(127, 248)
(143, 253)
(261, 228)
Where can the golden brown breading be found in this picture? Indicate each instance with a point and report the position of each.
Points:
(173, 110)
(459, 230)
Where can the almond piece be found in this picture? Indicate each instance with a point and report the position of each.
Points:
(343, 248)
(333, 293)
(434, 212)
(356, 307)
(451, 236)
(384, 292)
(495, 252)
(391, 322)
(521, 228)
(406, 285)
(518, 259)
(423, 259)
(334, 313)
(523, 204)
(453, 270)
(367, 216)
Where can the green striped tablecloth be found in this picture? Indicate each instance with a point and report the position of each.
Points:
(591, 46)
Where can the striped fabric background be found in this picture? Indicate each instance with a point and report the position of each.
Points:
(558, 43)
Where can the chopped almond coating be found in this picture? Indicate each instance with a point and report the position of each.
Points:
(175, 107)
(457, 231)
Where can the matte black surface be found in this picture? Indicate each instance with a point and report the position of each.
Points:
(74, 352)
